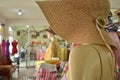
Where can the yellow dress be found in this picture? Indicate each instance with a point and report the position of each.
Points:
(52, 50)
(91, 62)
(63, 54)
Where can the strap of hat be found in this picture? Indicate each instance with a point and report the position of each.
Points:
(100, 25)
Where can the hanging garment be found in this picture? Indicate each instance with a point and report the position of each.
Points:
(52, 50)
(33, 54)
(14, 49)
(115, 38)
(63, 54)
(40, 52)
(7, 48)
(8, 53)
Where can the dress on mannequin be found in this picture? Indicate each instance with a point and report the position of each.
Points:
(14, 49)
(53, 48)
(7, 48)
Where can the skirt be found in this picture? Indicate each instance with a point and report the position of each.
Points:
(91, 62)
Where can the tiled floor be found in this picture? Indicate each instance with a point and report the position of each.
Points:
(23, 71)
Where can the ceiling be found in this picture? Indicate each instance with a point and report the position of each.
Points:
(32, 14)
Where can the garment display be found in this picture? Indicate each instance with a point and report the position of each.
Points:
(40, 53)
(7, 48)
(7, 52)
(115, 38)
(44, 74)
(83, 22)
(14, 49)
(52, 50)
(33, 53)
(63, 54)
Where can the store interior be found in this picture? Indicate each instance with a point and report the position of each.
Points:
(25, 37)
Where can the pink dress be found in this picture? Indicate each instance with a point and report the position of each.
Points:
(40, 54)
(115, 38)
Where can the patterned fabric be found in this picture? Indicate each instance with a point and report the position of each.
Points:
(44, 74)
(115, 38)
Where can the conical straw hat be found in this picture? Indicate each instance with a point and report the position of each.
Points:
(75, 20)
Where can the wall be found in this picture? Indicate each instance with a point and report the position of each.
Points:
(25, 37)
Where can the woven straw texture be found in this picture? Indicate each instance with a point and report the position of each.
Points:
(75, 20)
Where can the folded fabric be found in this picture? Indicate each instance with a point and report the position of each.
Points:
(50, 67)
(45, 74)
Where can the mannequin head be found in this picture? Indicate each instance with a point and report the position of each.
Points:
(50, 34)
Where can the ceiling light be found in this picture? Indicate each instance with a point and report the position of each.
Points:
(19, 12)
(27, 26)
(10, 29)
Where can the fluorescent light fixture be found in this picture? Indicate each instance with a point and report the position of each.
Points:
(27, 26)
(10, 29)
(19, 12)
(118, 30)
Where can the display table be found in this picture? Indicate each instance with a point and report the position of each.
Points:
(10, 68)
(37, 63)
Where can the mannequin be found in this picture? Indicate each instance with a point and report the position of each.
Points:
(83, 22)
(52, 50)
(14, 49)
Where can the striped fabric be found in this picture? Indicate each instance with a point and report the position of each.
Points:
(44, 74)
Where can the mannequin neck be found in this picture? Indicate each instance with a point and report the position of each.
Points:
(52, 38)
